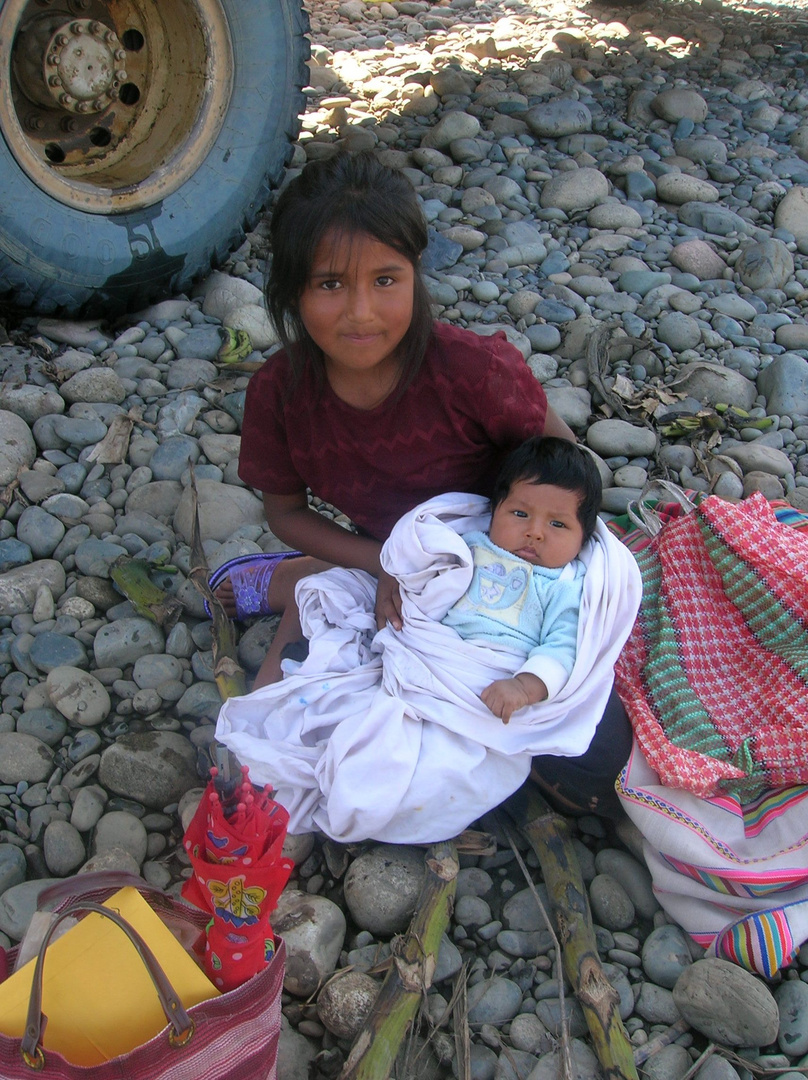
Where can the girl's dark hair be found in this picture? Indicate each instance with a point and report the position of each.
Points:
(346, 194)
(549, 460)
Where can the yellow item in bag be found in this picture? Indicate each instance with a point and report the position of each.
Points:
(96, 992)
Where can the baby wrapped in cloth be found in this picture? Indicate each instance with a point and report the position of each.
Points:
(383, 735)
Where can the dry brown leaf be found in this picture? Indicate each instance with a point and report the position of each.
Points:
(623, 387)
(666, 397)
(113, 448)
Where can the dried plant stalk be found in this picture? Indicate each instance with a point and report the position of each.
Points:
(675, 1031)
(227, 671)
(415, 955)
(549, 836)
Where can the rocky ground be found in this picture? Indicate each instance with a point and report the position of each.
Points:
(643, 171)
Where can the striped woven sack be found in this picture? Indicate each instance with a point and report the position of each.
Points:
(713, 676)
(734, 877)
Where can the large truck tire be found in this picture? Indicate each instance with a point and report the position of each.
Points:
(138, 139)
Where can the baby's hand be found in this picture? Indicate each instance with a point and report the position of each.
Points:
(505, 696)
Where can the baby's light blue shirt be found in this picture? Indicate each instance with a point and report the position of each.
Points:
(533, 609)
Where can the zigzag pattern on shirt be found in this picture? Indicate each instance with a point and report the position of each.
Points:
(473, 400)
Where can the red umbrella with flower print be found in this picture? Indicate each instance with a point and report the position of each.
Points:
(234, 842)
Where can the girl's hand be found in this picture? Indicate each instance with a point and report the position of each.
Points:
(388, 602)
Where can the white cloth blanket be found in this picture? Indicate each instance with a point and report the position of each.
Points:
(383, 735)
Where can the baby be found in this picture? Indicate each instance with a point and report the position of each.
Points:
(527, 582)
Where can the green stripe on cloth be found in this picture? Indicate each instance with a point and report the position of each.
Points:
(776, 627)
(677, 707)
(714, 676)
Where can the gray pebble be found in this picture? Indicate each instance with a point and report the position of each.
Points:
(792, 1005)
(382, 887)
(63, 848)
(18, 903)
(12, 866)
(665, 955)
(88, 806)
(717, 1067)
(521, 912)
(44, 724)
(50, 651)
(119, 830)
(727, 1004)
(40, 531)
(125, 641)
(657, 1005)
(670, 1063)
(585, 1064)
(472, 912)
(611, 906)
(493, 1001)
(314, 930)
(23, 758)
(156, 768)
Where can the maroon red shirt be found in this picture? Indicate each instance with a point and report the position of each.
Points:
(472, 402)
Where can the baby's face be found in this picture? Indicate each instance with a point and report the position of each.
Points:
(538, 523)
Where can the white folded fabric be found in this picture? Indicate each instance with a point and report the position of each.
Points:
(383, 735)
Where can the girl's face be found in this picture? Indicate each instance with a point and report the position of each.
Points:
(357, 306)
(538, 523)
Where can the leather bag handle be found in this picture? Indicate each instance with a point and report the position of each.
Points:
(180, 1022)
(81, 884)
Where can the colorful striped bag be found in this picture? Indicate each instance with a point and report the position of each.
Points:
(735, 877)
(713, 678)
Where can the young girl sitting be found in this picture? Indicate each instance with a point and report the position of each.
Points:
(374, 407)
(392, 734)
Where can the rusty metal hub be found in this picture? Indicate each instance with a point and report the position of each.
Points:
(84, 66)
(108, 105)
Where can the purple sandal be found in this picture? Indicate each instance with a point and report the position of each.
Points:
(250, 576)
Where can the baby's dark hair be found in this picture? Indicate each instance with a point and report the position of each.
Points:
(549, 460)
(345, 195)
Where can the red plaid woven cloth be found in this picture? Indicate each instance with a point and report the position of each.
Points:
(714, 676)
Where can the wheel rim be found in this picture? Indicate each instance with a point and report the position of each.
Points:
(110, 105)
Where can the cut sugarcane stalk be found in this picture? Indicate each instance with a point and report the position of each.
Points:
(415, 956)
(549, 836)
(227, 671)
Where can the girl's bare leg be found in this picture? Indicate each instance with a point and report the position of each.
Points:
(289, 630)
(281, 599)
